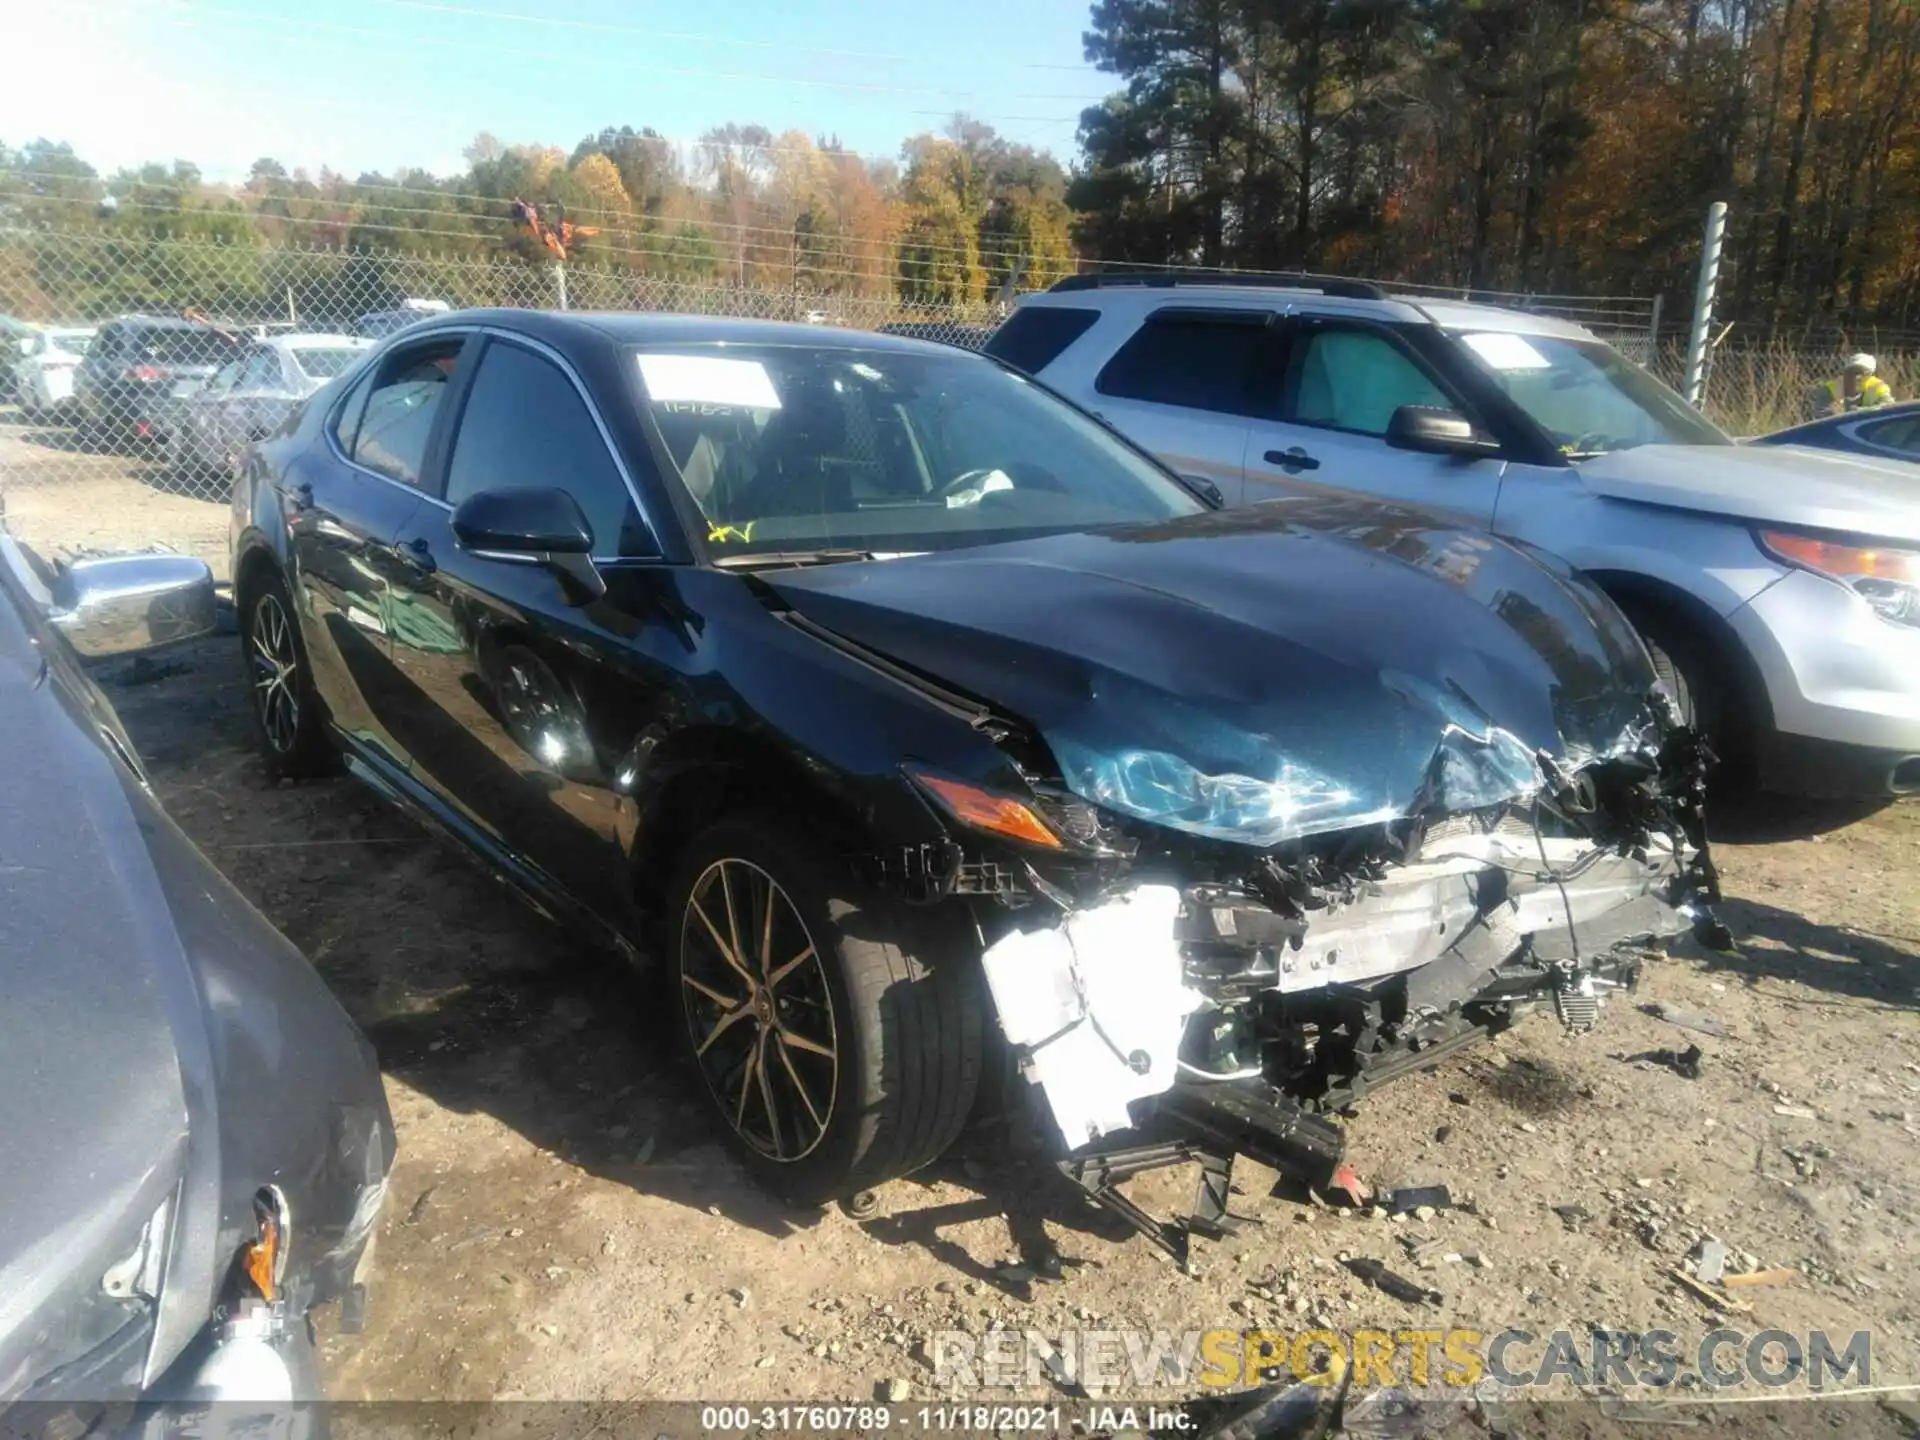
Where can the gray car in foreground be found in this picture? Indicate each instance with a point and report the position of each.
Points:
(194, 1141)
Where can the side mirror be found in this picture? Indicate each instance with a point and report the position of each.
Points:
(1431, 430)
(120, 604)
(531, 527)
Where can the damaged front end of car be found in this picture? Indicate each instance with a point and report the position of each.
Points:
(1179, 995)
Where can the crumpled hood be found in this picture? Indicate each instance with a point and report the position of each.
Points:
(1266, 673)
(1794, 485)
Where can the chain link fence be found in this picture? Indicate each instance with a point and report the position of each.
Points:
(152, 361)
(140, 366)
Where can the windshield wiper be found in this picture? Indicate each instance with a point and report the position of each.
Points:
(783, 559)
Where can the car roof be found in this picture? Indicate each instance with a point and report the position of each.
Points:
(1398, 308)
(308, 339)
(627, 328)
(1834, 422)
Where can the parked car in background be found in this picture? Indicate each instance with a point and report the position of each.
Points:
(208, 422)
(860, 679)
(16, 340)
(196, 1138)
(378, 324)
(967, 337)
(1890, 432)
(130, 370)
(1777, 588)
(43, 377)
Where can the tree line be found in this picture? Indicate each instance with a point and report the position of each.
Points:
(1551, 147)
(1542, 146)
(962, 216)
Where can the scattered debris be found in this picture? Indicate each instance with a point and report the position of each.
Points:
(896, 1391)
(1573, 1216)
(1442, 1134)
(1384, 1280)
(1347, 1182)
(1716, 1298)
(419, 1206)
(1692, 1020)
(1418, 1197)
(863, 1206)
(1764, 1277)
(1684, 1063)
(1710, 1261)
(1456, 1097)
(1795, 1112)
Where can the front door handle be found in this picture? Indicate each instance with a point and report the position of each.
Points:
(1292, 460)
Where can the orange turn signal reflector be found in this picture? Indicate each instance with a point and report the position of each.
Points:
(996, 814)
(1852, 562)
(262, 1257)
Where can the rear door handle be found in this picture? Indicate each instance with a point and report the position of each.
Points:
(1292, 460)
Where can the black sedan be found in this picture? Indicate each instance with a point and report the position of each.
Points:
(195, 1138)
(1887, 432)
(906, 713)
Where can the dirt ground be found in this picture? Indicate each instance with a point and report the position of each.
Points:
(564, 1224)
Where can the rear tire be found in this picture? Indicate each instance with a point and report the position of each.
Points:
(896, 994)
(287, 718)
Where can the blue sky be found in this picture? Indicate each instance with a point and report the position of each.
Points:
(376, 84)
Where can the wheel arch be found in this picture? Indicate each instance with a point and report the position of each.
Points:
(1643, 598)
(689, 778)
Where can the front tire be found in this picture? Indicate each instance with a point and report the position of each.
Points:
(288, 723)
(839, 1035)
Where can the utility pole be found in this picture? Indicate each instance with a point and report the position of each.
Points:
(560, 284)
(1696, 388)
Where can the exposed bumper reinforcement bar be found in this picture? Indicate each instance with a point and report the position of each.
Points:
(1209, 1125)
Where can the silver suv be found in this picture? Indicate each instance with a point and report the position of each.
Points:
(1777, 588)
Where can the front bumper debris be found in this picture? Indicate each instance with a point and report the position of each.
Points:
(1213, 1001)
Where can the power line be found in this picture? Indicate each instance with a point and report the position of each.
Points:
(660, 248)
(782, 234)
(522, 53)
(645, 31)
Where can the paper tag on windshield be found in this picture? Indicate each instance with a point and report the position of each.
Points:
(707, 380)
(1506, 352)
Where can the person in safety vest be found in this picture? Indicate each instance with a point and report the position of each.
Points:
(1858, 388)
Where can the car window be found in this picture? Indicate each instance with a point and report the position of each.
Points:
(183, 347)
(1587, 395)
(1354, 379)
(792, 447)
(346, 421)
(222, 380)
(524, 424)
(1200, 359)
(1899, 433)
(324, 362)
(262, 372)
(1034, 335)
(407, 391)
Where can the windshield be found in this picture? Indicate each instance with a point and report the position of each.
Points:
(795, 448)
(323, 362)
(1589, 396)
(70, 342)
(183, 347)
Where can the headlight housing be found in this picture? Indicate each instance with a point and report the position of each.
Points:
(1886, 578)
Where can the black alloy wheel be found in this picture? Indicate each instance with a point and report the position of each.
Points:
(758, 1011)
(293, 739)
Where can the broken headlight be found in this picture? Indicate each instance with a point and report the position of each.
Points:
(1887, 579)
(1160, 787)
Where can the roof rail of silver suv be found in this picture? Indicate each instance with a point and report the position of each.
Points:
(1331, 285)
